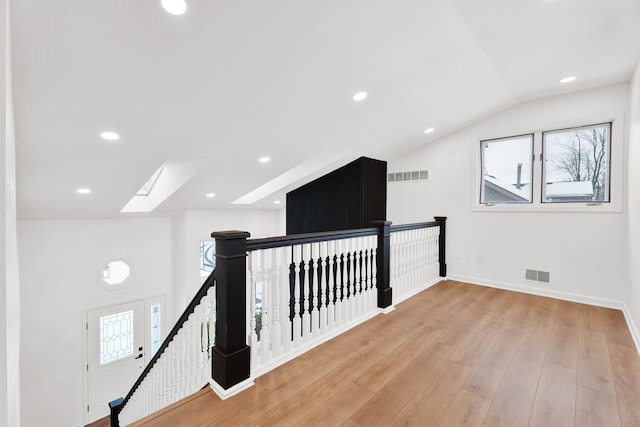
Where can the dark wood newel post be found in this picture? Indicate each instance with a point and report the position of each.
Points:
(442, 220)
(231, 354)
(115, 406)
(385, 293)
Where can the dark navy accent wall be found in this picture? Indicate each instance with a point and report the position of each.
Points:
(348, 198)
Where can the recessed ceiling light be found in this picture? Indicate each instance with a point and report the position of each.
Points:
(210, 195)
(110, 136)
(277, 202)
(83, 191)
(567, 79)
(359, 96)
(429, 130)
(174, 7)
(264, 159)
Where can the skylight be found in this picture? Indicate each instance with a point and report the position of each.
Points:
(148, 186)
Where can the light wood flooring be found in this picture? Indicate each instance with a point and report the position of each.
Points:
(455, 354)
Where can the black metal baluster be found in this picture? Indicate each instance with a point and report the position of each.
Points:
(327, 273)
(312, 271)
(335, 279)
(341, 277)
(348, 274)
(319, 279)
(302, 284)
(360, 269)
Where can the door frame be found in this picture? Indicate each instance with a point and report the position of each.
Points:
(158, 299)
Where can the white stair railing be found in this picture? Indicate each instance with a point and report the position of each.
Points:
(302, 290)
(415, 260)
(303, 293)
(182, 365)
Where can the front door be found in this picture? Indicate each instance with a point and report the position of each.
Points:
(115, 354)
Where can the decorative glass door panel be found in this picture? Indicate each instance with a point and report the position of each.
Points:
(115, 354)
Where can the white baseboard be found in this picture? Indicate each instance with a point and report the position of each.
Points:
(225, 394)
(632, 327)
(567, 296)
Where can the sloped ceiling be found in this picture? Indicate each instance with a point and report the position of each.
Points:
(229, 82)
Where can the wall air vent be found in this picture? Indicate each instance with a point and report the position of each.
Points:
(537, 276)
(408, 176)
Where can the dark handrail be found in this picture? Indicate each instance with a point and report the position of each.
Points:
(299, 239)
(415, 226)
(118, 404)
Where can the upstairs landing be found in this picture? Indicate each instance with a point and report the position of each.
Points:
(455, 354)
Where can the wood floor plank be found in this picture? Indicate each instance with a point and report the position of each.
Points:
(626, 368)
(457, 330)
(314, 395)
(540, 323)
(502, 303)
(439, 315)
(563, 345)
(426, 407)
(342, 405)
(466, 409)
(596, 409)
(471, 349)
(594, 364)
(514, 400)
(489, 371)
(591, 318)
(616, 328)
(391, 399)
(380, 373)
(555, 398)
(568, 314)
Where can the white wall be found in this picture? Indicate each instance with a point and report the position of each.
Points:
(496, 247)
(3, 216)
(634, 204)
(59, 262)
(10, 285)
(197, 226)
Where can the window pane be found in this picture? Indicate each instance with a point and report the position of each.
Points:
(116, 336)
(576, 166)
(507, 170)
(207, 257)
(156, 328)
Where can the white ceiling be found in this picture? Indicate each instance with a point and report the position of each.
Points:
(231, 81)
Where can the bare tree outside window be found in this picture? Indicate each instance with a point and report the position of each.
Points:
(576, 164)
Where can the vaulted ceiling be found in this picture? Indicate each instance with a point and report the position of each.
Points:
(209, 92)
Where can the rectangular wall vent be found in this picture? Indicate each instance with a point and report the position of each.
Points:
(408, 176)
(537, 276)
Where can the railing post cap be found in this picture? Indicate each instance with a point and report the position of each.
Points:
(230, 234)
(440, 218)
(115, 403)
(381, 223)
